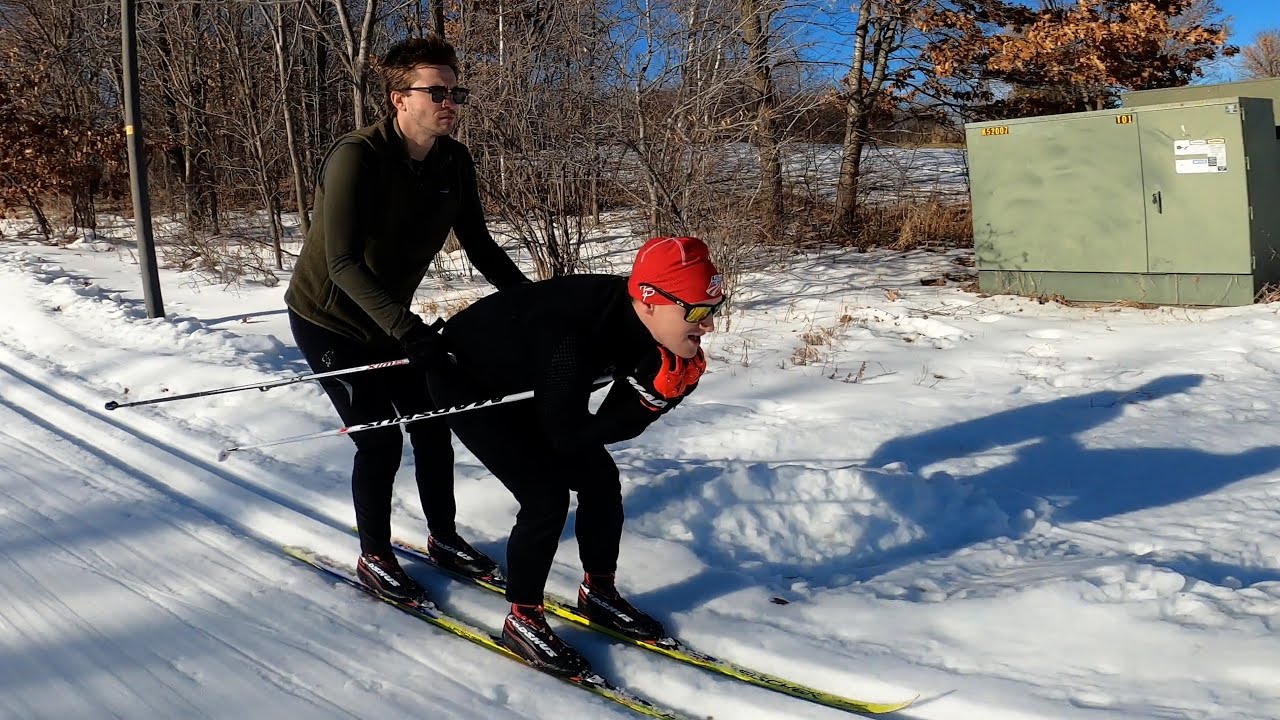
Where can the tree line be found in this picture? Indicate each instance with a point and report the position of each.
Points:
(698, 116)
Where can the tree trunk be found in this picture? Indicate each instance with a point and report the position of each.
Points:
(277, 232)
(299, 183)
(756, 31)
(356, 54)
(846, 212)
(362, 63)
(877, 35)
(42, 220)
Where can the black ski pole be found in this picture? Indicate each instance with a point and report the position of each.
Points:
(264, 386)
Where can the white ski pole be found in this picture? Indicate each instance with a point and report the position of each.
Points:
(264, 386)
(402, 420)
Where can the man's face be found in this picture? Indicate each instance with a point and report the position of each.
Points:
(417, 112)
(670, 329)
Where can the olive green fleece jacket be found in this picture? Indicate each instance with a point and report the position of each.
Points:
(379, 219)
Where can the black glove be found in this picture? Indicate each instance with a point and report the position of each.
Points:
(426, 348)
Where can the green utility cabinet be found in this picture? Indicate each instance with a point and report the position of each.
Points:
(1168, 204)
(1260, 88)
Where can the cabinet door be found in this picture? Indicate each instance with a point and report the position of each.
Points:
(1197, 202)
(1059, 195)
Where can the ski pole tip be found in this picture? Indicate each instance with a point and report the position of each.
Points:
(112, 405)
(223, 455)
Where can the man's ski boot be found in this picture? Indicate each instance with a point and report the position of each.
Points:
(599, 602)
(527, 634)
(383, 575)
(456, 555)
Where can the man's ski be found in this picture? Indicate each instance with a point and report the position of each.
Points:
(591, 682)
(673, 648)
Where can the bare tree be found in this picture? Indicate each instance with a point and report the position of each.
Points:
(438, 16)
(355, 49)
(1261, 58)
(686, 113)
(276, 21)
(678, 103)
(60, 109)
(757, 20)
(536, 131)
(253, 111)
(174, 56)
(879, 34)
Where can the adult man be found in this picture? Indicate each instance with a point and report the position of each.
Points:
(387, 198)
(557, 337)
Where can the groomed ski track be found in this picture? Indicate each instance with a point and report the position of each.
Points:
(140, 550)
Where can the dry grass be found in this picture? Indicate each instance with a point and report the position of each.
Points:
(1135, 305)
(444, 308)
(1045, 298)
(927, 223)
(937, 222)
(816, 338)
(1268, 294)
(222, 259)
(806, 355)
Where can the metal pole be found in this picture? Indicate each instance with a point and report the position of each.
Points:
(138, 161)
(402, 420)
(264, 386)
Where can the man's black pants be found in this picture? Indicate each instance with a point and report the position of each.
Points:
(513, 445)
(379, 395)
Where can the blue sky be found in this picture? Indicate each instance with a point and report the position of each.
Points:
(1249, 17)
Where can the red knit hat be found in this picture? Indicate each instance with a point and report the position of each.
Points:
(680, 266)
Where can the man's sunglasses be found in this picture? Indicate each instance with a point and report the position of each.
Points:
(692, 313)
(458, 95)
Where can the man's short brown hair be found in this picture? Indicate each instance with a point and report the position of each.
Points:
(402, 59)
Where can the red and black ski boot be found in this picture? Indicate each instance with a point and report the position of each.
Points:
(456, 555)
(599, 602)
(527, 634)
(383, 575)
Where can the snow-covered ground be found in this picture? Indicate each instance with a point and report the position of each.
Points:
(1012, 509)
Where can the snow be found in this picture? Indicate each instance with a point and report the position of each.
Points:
(882, 489)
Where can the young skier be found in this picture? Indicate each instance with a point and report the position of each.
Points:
(557, 337)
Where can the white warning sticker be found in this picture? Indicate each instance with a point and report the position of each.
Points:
(1200, 156)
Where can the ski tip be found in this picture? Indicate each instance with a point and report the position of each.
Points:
(882, 708)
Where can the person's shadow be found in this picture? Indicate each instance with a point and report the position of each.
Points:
(1053, 474)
